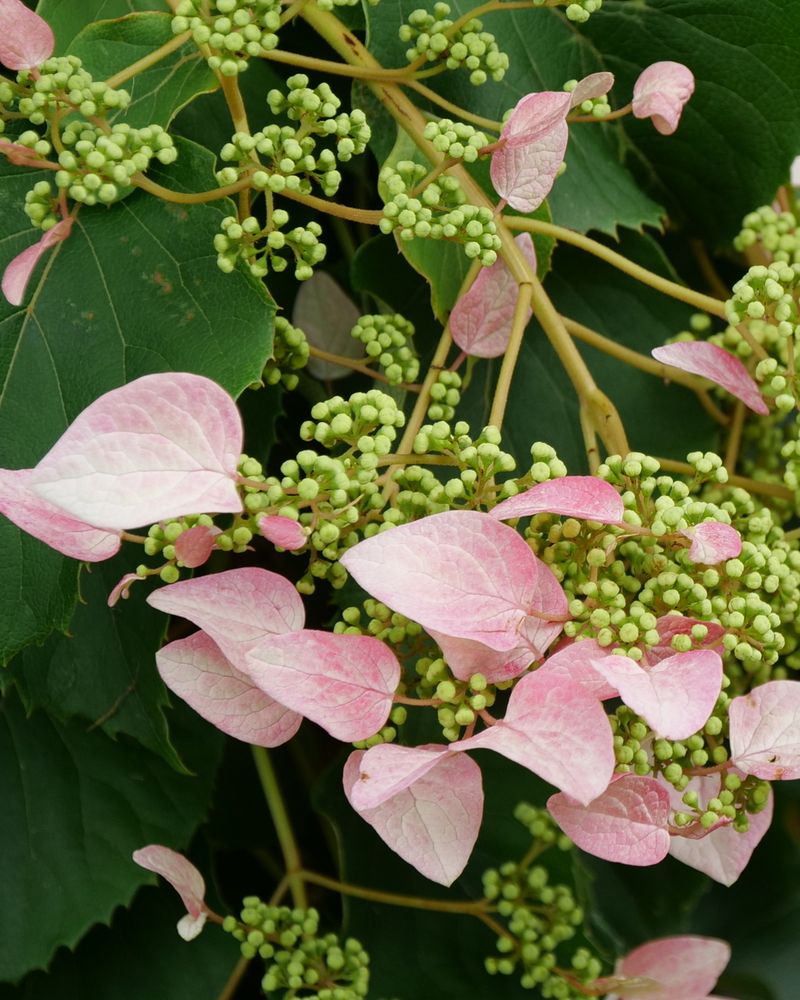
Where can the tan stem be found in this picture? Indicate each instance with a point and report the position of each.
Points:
(522, 312)
(149, 60)
(454, 109)
(735, 436)
(472, 908)
(752, 485)
(357, 366)
(188, 198)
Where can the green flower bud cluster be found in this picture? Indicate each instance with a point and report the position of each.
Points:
(790, 451)
(290, 353)
(299, 960)
(767, 292)
(97, 166)
(262, 248)
(338, 421)
(580, 11)
(440, 212)
(317, 111)
(62, 84)
(479, 460)
(387, 339)
(778, 233)
(597, 107)
(545, 465)
(234, 30)
(381, 622)
(445, 396)
(469, 46)
(541, 826)
(41, 206)
(540, 917)
(7, 98)
(329, 5)
(455, 139)
(161, 537)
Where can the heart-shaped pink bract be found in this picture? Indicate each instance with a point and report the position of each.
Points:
(723, 853)
(184, 878)
(196, 670)
(194, 546)
(556, 729)
(282, 531)
(573, 660)
(480, 322)
(585, 497)
(627, 823)
(661, 93)
(699, 357)
(765, 731)
(675, 696)
(681, 968)
(713, 542)
(464, 574)
(18, 273)
(426, 803)
(26, 40)
(531, 149)
(591, 86)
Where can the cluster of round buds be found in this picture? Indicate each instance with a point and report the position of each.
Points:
(388, 339)
(469, 46)
(455, 139)
(579, 11)
(41, 206)
(367, 421)
(778, 233)
(290, 353)
(541, 826)
(261, 248)
(736, 800)
(7, 97)
(460, 702)
(298, 959)
(97, 166)
(540, 918)
(63, 84)
(234, 30)
(766, 292)
(430, 215)
(445, 396)
(318, 112)
(597, 107)
(329, 5)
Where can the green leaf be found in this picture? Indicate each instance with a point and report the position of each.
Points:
(104, 671)
(741, 129)
(157, 93)
(139, 956)
(134, 290)
(75, 805)
(660, 419)
(67, 18)
(597, 191)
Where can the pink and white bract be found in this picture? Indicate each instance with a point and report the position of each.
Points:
(661, 93)
(480, 322)
(585, 497)
(765, 731)
(184, 878)
(18, 273)
(26, 40)
(673, 968)
(699, 357)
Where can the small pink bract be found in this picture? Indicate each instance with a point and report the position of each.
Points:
(681, 968)
(184, 878)
(282, 531)
(699, 357)
(765, 731)
(713, 542)
(18, 273)
(26, 40)
(584, 497)
(193, 547)
(661, 93)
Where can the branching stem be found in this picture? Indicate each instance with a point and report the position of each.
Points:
(752, 485)
(149, 60)
(471, 908)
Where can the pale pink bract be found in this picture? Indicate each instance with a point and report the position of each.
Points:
(480, 322)
(282, 531)
(661, 92)
(184, 878)
(592, 86)
(699, 357)
(26, 40)
(765, 731)
(585, 497)
(18, 273)
(679, 968)
(194, 546)
(713, 542)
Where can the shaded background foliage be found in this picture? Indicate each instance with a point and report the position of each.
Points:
(95, 760)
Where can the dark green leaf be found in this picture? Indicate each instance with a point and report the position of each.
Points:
(135, 289)
(67, 18)
(75, 805)
(159, 92)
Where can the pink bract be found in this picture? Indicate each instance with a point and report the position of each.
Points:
(159, 447)
(428, 813)
(466, 657)
(531, 150)
(464, 574)
(661, 93)
(556, 729)
(51, 525)
(585, 497)
(184, 878)
(26, 40)
(194, 547)
(699, 357)
(18, 273)
(591, 86)
(196, 670)
(723, 853)
(765, 731)
(573, 660)
(480, 322)
(282, 531)
(713, 542)
(627, 823)
(344, 683)
(237, 608)
(681, 968)
(670, 625)
(675, 696)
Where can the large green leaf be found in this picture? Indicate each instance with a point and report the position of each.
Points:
(135, 289)
(159, 92)
(139, 956)
(68, 17)
(104, 671)
(75, 805)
